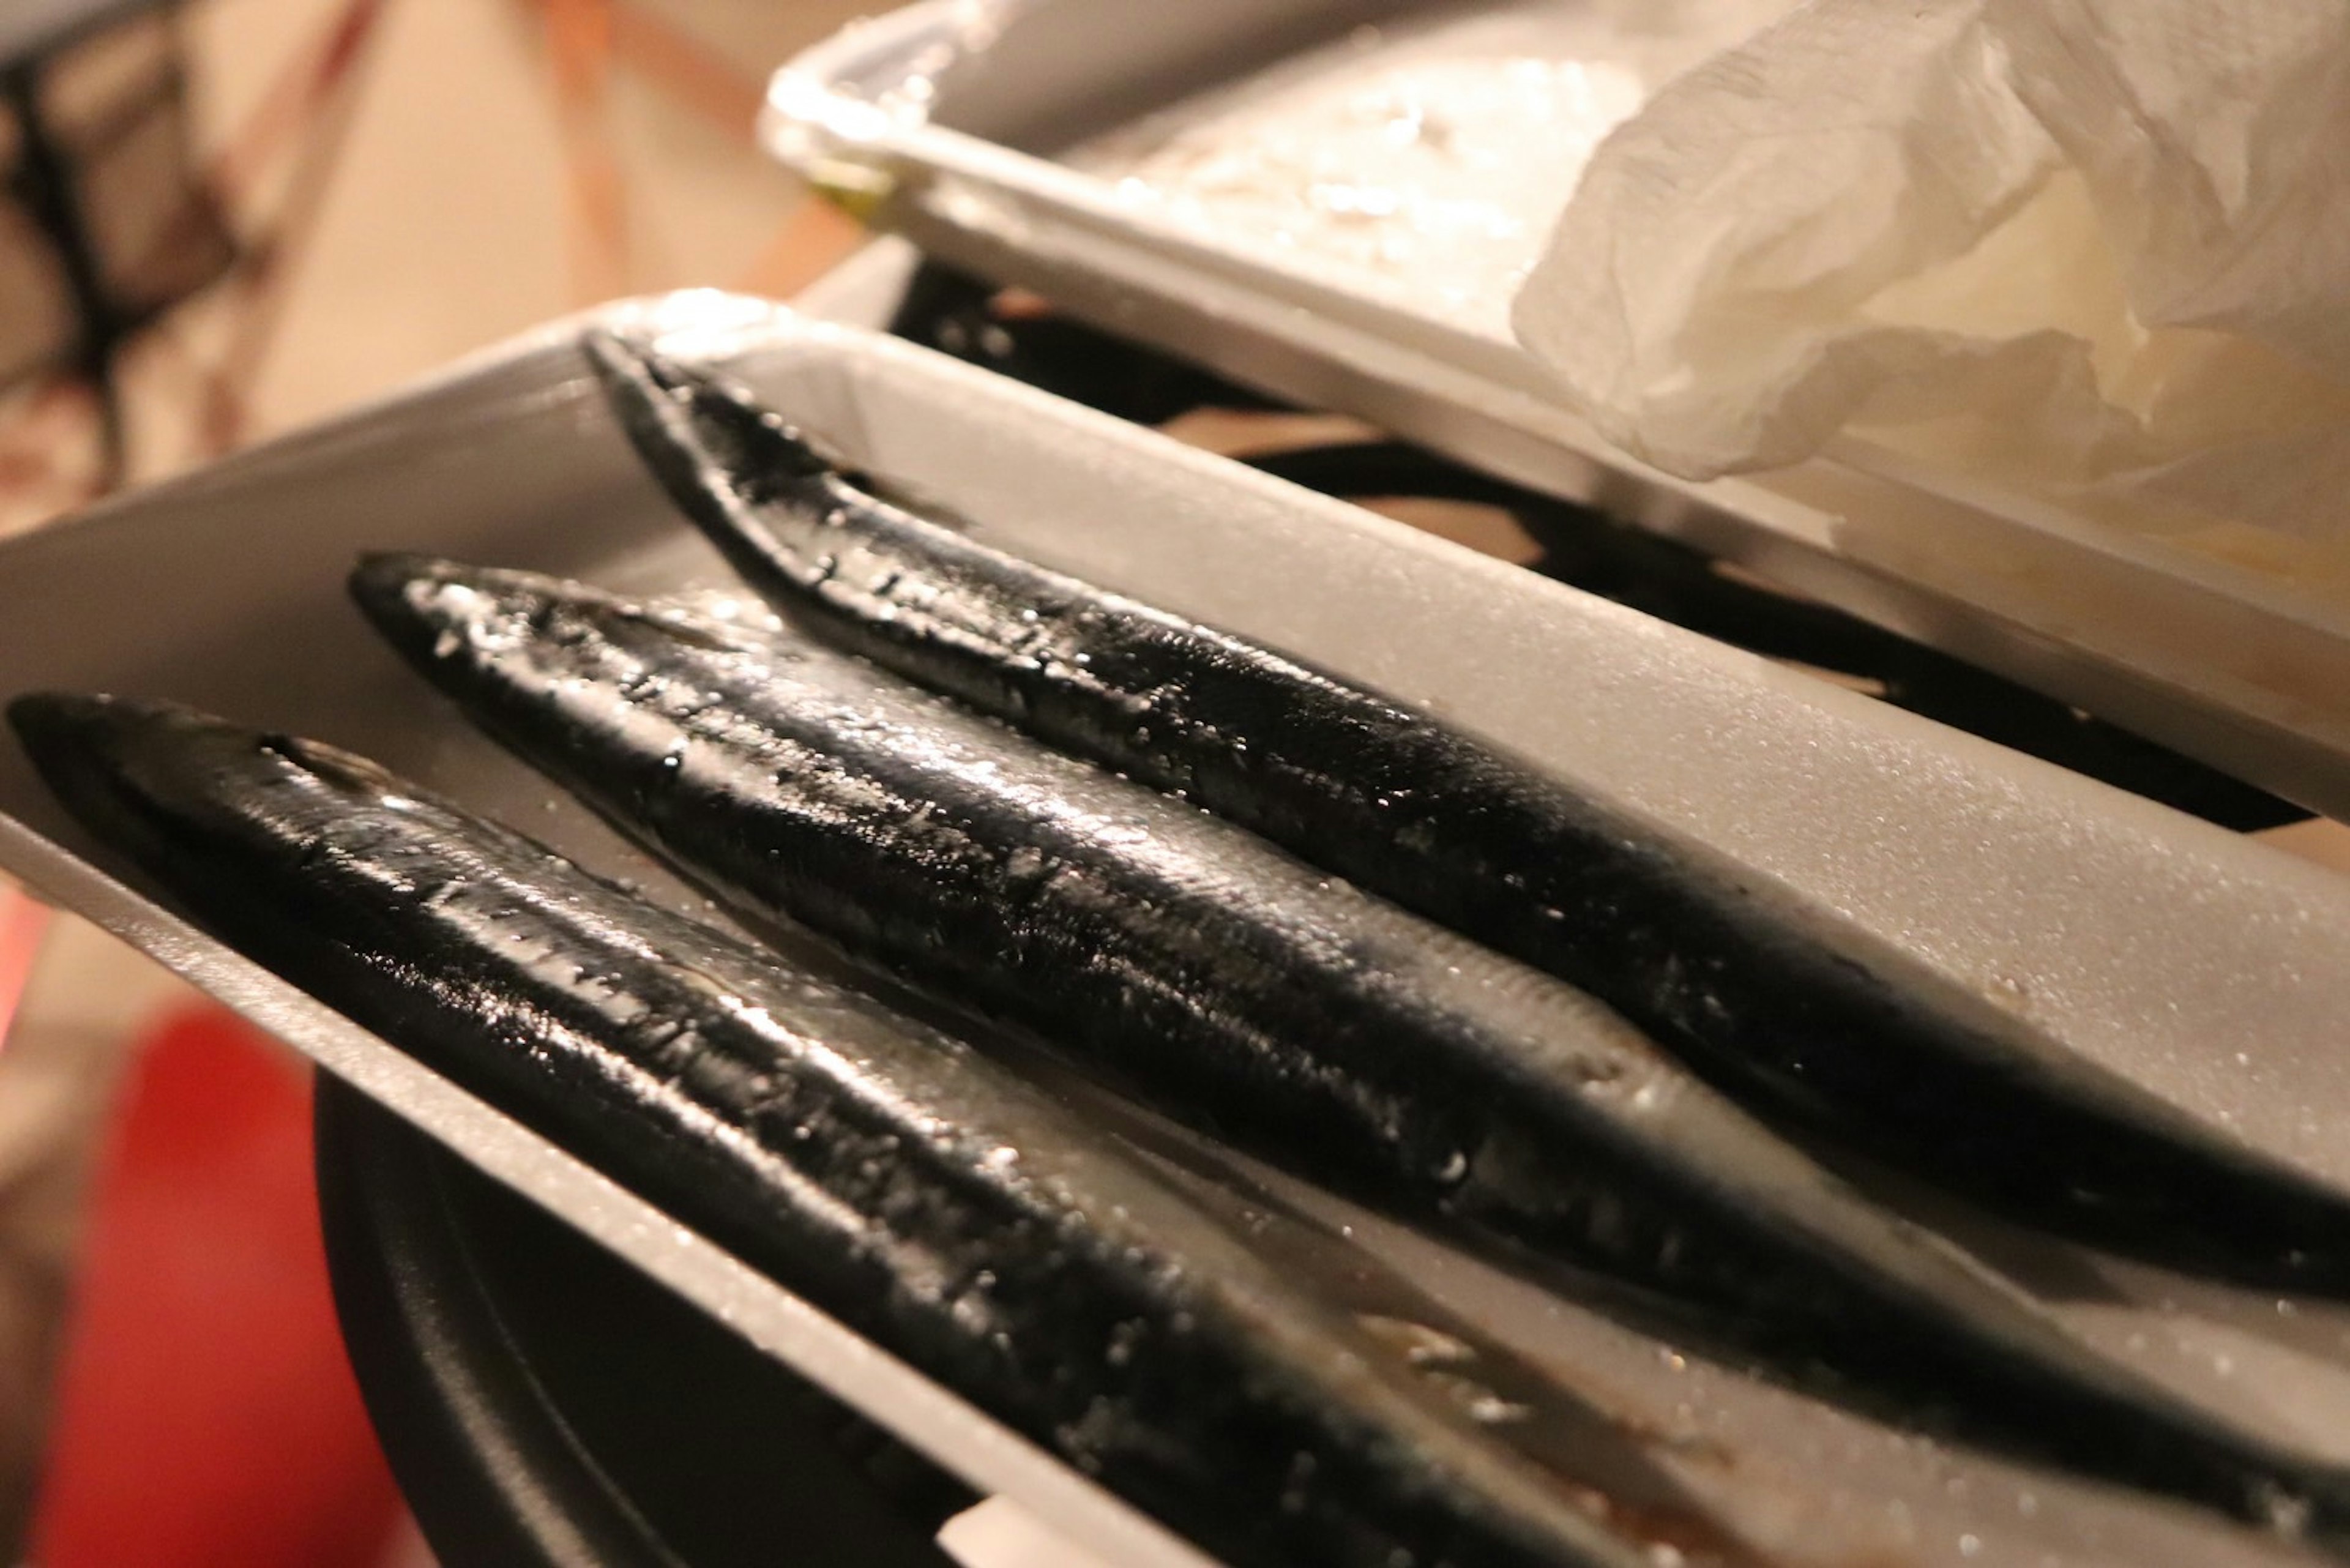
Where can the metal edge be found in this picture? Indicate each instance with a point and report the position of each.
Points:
(847, 295)
(1026, 221)
(955, 1434)
(925, 1415)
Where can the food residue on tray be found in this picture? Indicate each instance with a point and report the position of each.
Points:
(1737, 233)
(1428, 158)
(1418, 175)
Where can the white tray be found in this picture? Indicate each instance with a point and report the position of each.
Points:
(2156, 943)
(944, 122)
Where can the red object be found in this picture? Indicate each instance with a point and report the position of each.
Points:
(206, 1415)
(22, 921)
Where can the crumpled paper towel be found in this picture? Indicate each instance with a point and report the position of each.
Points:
(2097, 249)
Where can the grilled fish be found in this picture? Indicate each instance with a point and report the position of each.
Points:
(1254, 996)
(1865, 1047)
(906, 1185)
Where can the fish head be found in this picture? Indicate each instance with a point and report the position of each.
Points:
(172, 785)
(692, 427)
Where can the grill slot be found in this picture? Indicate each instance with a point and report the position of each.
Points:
(1018, 335)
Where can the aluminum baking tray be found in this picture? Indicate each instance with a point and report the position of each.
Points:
(975, 127)
(2205, 966)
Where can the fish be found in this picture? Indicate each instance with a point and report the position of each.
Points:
(1814, 1027)
(937, 1203)
(1238, 989)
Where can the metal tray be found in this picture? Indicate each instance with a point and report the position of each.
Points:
(956, 121)
(2156, 943)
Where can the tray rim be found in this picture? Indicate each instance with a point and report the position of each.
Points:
(1024, 218)
(928, 1417)
(837, 307)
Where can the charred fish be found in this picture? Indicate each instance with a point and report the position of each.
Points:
(1795, 1020)
(901, 1182)
(1252, 995)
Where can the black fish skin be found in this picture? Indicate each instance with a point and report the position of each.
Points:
(1245, 992)
(1899, 1065)
(901, 1182)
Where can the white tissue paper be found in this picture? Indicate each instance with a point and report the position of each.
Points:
(2096, 250)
